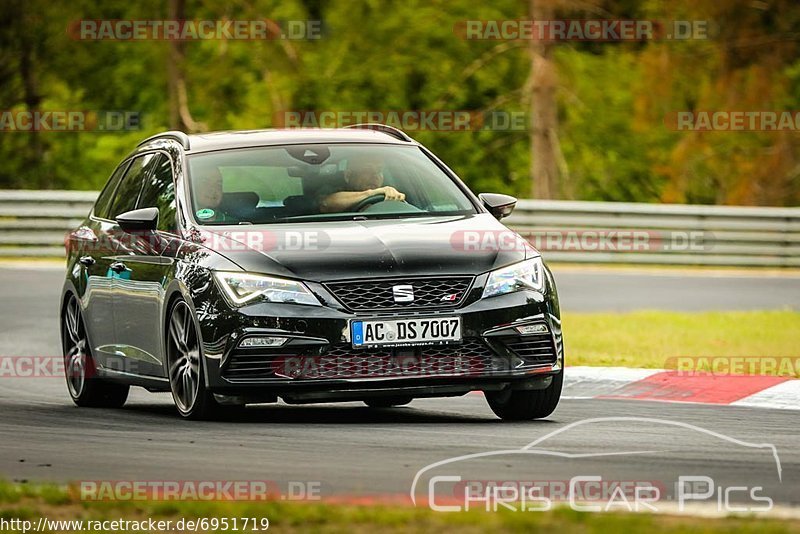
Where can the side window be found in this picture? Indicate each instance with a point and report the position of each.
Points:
(128, 190)
(159, 192)
(104, 200)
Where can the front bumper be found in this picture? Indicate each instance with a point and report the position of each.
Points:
(318, 362)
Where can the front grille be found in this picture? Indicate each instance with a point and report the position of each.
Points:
(341, 361)
(535, 349)
(439, 292)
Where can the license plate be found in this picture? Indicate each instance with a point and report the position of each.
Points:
(399, 332)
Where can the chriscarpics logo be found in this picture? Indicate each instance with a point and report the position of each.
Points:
(643, 465)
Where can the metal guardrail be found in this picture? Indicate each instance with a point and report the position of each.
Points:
(34, 223)
(680, 234)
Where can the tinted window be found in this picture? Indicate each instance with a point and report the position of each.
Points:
(104, 200)
(159, 192)
(128, 191)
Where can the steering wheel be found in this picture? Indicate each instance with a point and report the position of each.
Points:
(369, 201)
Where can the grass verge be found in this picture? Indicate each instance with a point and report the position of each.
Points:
(30, 502)
(654, 339)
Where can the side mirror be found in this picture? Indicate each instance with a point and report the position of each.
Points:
(141, 220)
(498, 205)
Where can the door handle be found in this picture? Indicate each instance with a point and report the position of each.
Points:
(118, 267)
(87, 261)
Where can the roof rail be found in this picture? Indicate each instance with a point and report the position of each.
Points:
(180, 137)
(383, 128)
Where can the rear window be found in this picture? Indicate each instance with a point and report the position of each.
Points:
(107, 195)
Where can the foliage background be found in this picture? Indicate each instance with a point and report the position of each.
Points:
(385, 55)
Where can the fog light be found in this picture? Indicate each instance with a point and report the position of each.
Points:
(529, 329)
(262, 342)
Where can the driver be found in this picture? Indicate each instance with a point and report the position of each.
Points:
(363, 178)
(208, 196)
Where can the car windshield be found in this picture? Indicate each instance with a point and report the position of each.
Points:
(320, 182)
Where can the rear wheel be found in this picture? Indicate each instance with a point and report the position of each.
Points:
(84, 386)
(185, 366)
(387, 402)
(527, 404)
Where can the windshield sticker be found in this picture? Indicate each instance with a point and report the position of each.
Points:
(205, 213)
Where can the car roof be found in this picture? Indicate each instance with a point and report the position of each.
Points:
(224, 140)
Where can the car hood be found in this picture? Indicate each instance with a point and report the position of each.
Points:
(343, 250)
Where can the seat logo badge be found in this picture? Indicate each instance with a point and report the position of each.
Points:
(403, 293)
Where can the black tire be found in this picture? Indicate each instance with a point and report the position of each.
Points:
(527, 404)
(387, 402)
(85, 388)
(185, 366)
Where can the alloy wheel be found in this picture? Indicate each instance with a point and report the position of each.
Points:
(183, 357)
(75, 357)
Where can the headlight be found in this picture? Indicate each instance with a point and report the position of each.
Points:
(528, 274)
(241, 288)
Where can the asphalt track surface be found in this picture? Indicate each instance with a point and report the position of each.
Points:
(349, 449)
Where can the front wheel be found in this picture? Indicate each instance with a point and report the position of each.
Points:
(85, 387)
(527, 404)
(184, 362)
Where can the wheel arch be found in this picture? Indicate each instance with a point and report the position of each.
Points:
(177, 290)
